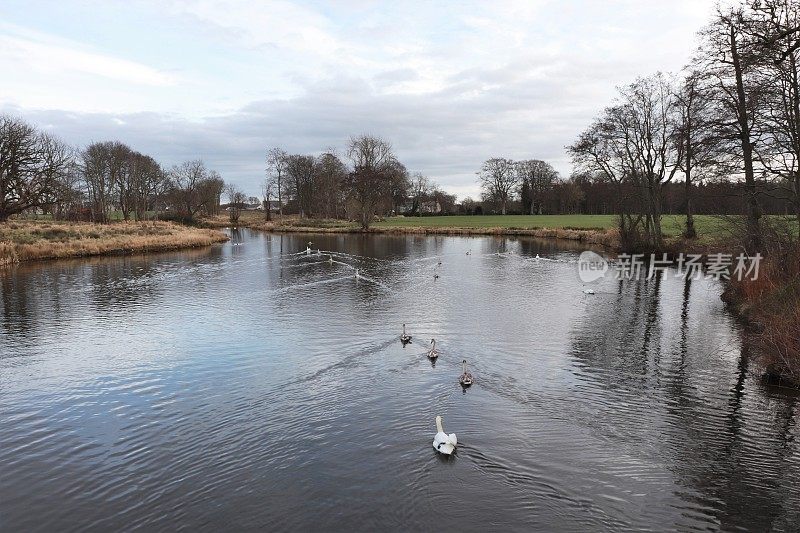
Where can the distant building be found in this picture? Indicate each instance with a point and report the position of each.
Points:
(274, 206)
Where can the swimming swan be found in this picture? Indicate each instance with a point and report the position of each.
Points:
(442, 442)
(466, 378)
(432, 353)
(405, 337)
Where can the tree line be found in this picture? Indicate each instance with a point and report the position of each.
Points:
(723, 136)
(39, 172)
(732, 115)
(368, 182)
(503, 180)
(591, 194)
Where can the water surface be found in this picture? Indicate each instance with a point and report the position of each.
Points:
(250, 385)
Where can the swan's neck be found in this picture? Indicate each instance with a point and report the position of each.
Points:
(464, 367)
(439, 424)
(433, 343)
(404, 329)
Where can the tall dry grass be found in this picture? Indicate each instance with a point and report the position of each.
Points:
(771, 303)
(31, 240)
(8, 254)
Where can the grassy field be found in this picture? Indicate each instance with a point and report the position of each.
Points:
(502, 221)
(25, 240)
(710, 228)
(672, 225)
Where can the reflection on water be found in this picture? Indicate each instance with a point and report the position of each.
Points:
(254, 384)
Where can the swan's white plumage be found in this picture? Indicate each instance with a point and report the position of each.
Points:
(442, 442)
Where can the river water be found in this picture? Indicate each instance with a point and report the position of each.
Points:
(250, 385)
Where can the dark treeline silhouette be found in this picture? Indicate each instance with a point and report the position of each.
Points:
(592, 195)
(584, 194)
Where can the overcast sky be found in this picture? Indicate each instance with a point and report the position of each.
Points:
(449, 84)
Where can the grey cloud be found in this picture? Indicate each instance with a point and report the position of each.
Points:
(445, 134)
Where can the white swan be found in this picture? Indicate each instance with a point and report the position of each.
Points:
(308, 248)
(466, 378)
(588, 291)
(442, 442)
(432, 353)
(405, 337)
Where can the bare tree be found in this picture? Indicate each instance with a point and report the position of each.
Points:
(468, 206)
(210, 193)
(368, 186)
(536, 179)
(147, 183)
(777, 30)
(117, 176)
(634, 146)
(268, 188)
(601, 150)
(648, 122)
(195, 188)
(103, 164)
(399, 185)
(300, 174)
(330, 173)
(69, 195)
(695, 139)
(31, 167)
(498, 180)
(276, 170)
(729, 59)
(236, 201)
(420, 187)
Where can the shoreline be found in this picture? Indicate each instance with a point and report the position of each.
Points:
(768, 308)
(23, 241)
(605, 238)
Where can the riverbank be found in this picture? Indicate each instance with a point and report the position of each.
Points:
(23, 240)
(591, 229)
(584, 231)
(770, 307)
